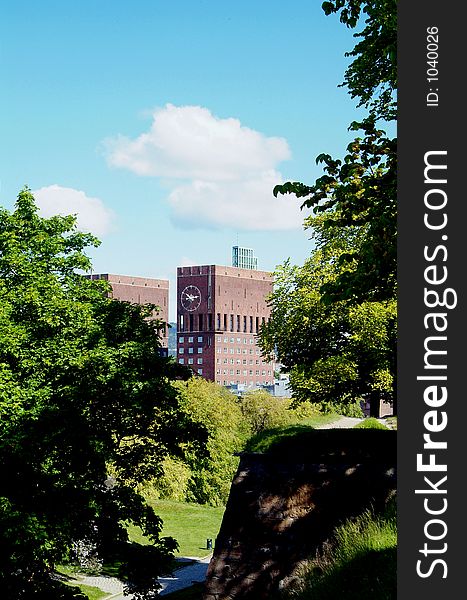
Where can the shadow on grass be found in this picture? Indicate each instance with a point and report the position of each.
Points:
(268, 439)
(369, 576)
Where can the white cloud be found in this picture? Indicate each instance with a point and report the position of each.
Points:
(188, 142)
(228, 171)
(247, 205)
(92, 215)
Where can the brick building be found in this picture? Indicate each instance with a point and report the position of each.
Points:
(141, 290)
(219, 312)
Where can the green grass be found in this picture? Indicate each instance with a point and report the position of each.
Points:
(190, 524)
(370, 423)
(359, 562)
(263, 441)
(69, 573)
(91, 592)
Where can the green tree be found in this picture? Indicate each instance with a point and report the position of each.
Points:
(211, 469)
(372, 75)
(84, 394)
(335, 352)
(333, 320)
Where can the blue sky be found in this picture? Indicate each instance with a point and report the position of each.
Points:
(165, 125)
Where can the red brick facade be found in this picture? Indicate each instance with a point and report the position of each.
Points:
(141, 290)
(219, 313)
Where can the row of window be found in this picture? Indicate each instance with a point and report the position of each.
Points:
(247, 324)
(232, 361)
(239, 372)
(224, 322)
(191, 350)
(238, 351)
(190, 361)
(190, 339)
(233, 340)
(252, 383)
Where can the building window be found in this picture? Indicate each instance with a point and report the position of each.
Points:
(190, 350)
(190, 340)
(181, 350)
(200, 350)
(232, 340)
(190, 361)
(226, 340)
(200, 361)
(226, 350)
(232, 350)
(181, 361)
(219, 338)
(200, 371)
(232, 361)
(200, 338)
(181, 340)
(218, 322)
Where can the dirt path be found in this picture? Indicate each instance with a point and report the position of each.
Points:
(342, 423)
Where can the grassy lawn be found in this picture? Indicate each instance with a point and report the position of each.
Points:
(69, 572)
(91, 592)
(190, 524)
(370, 423)
(359, 562)
(263, 441)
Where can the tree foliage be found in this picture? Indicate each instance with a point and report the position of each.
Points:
(334, 319)
(356, 199)
(84, 393)
(205, 475)
(372, 75)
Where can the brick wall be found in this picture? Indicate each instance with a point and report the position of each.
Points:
(284, 505)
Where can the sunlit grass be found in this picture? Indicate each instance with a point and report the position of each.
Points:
(190, 524)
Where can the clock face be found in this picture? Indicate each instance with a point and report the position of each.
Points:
(190, 298)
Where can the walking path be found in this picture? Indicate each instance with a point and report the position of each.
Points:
(341, 423)
(186, 576)
(181, 578)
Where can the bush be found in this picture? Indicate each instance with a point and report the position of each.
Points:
(205, 477)
(263, 411)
